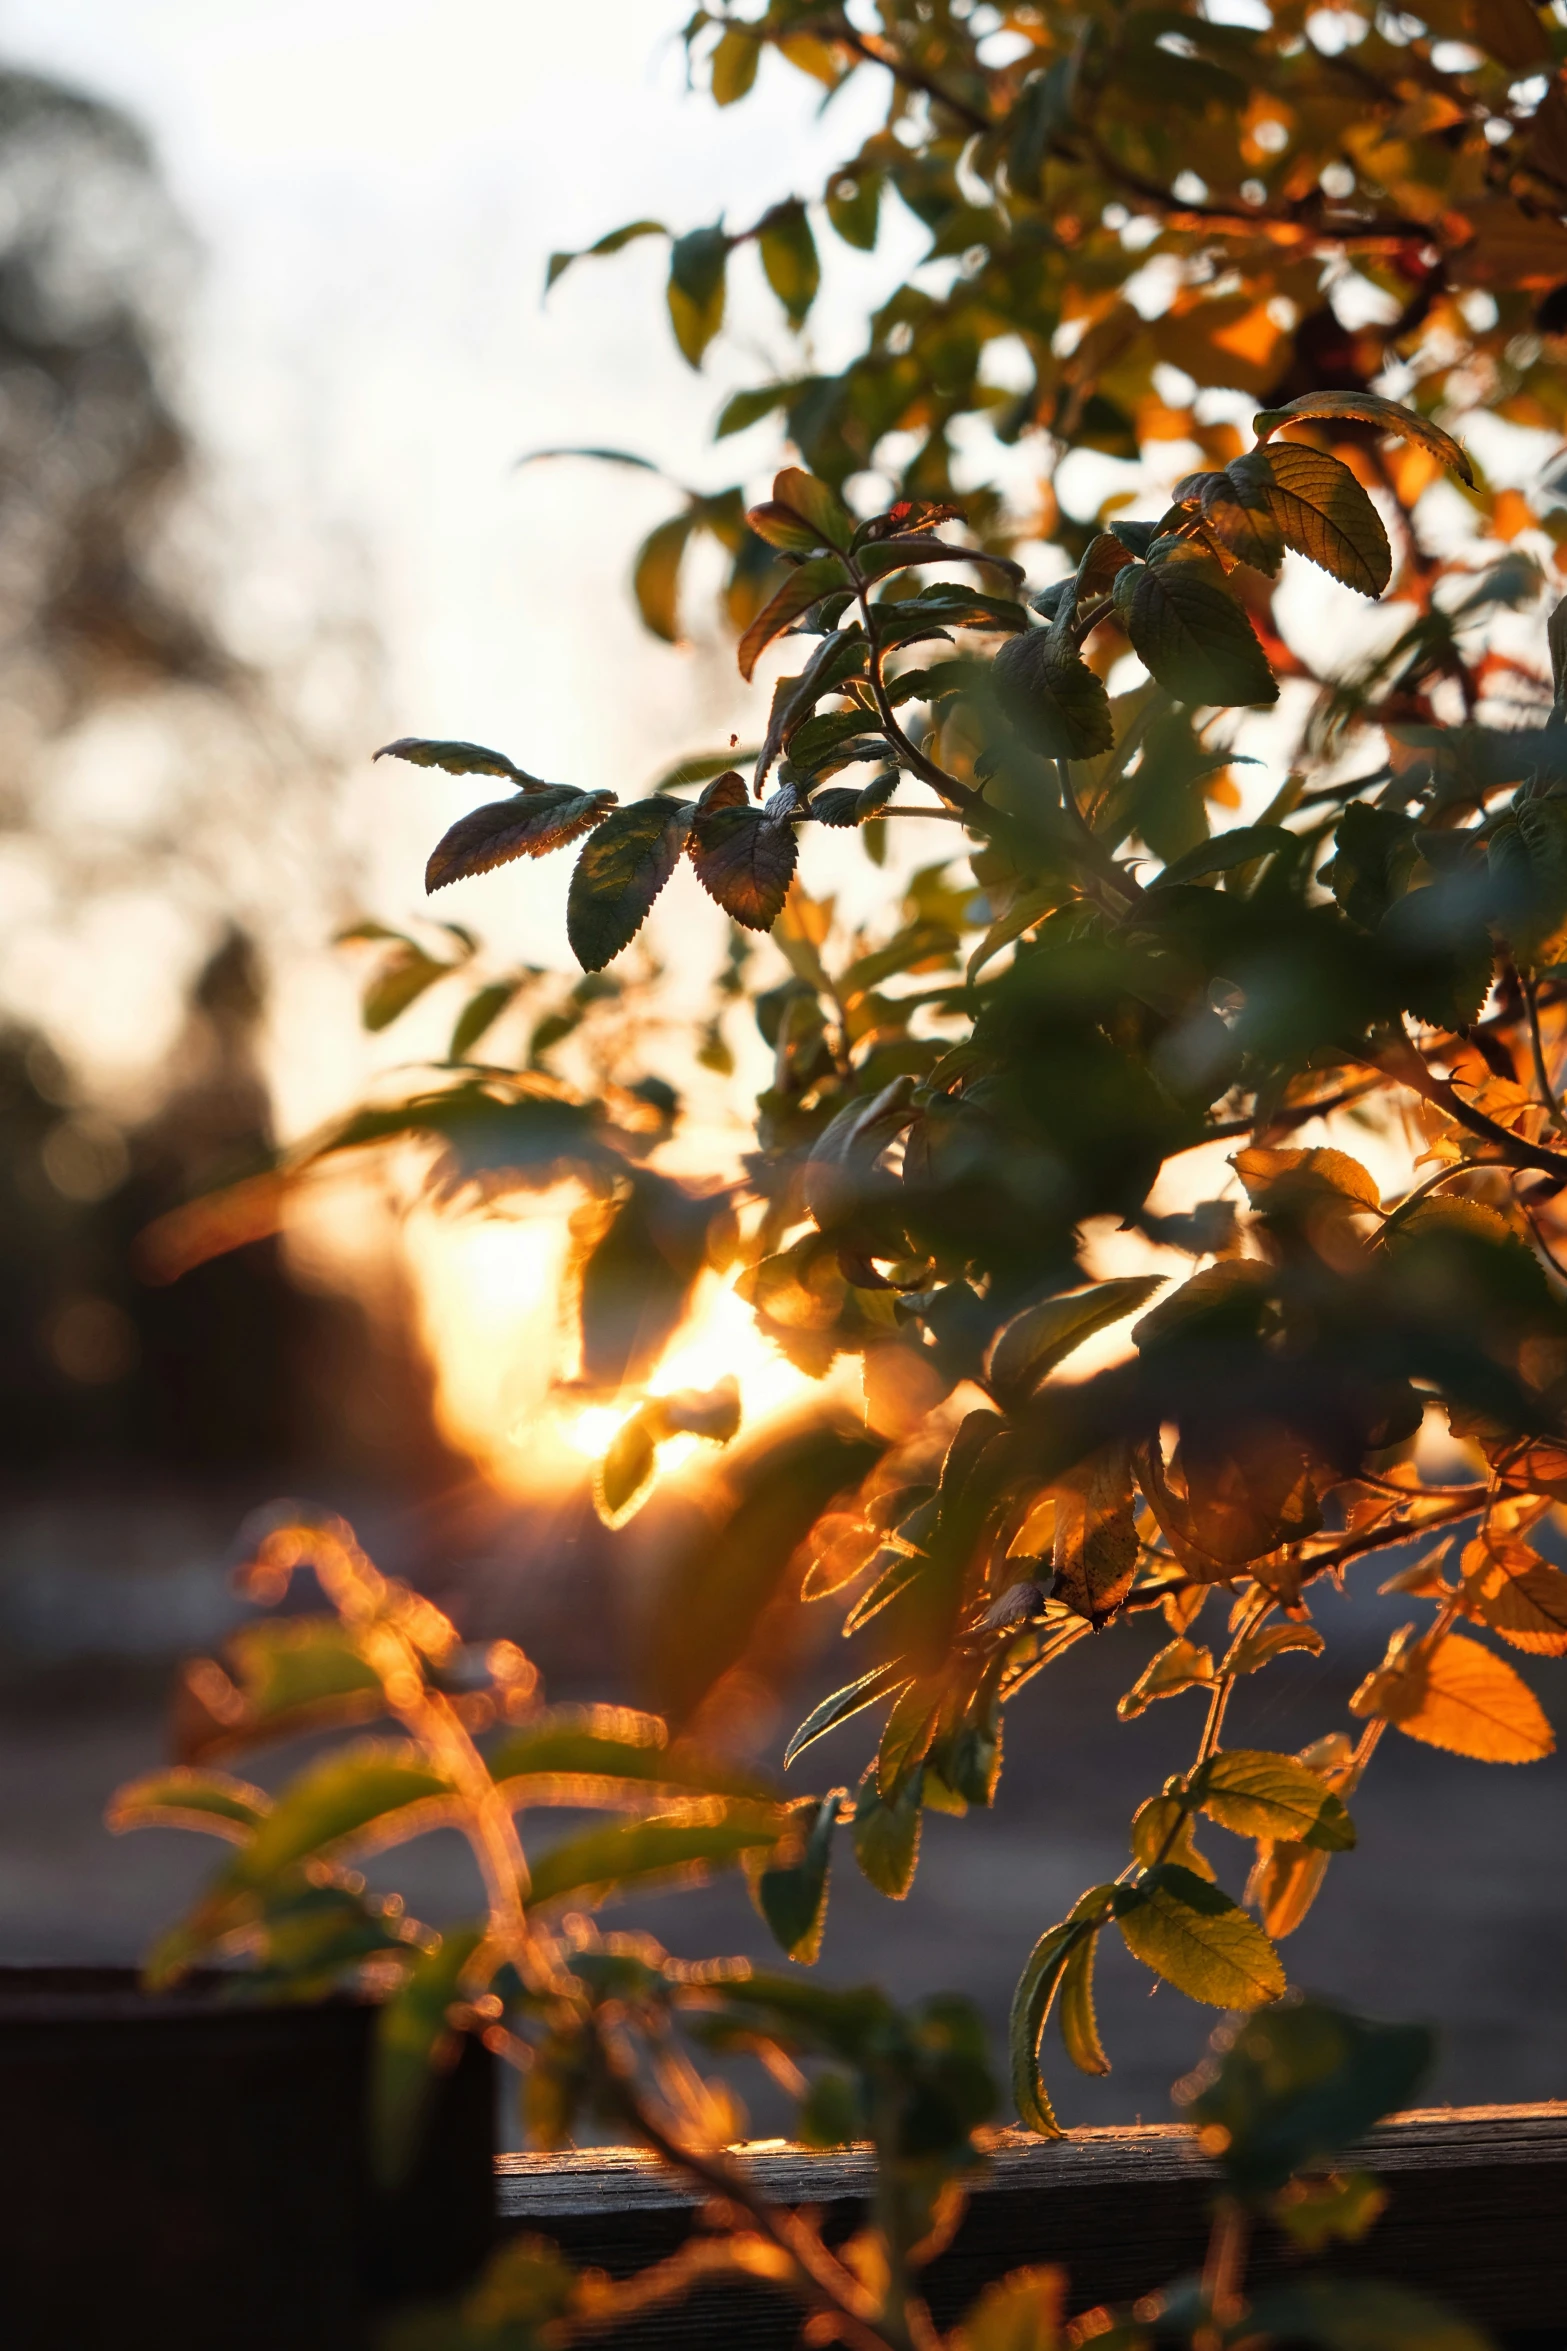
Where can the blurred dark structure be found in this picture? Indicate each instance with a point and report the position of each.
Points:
(92, 450)
(233, 1371)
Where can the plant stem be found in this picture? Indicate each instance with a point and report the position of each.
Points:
(1531, 997)
(827, 2280)
(1224, 2270)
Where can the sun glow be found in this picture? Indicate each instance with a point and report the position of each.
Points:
(490, 1292)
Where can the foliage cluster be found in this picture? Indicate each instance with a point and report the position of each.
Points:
(1352, 230)
(608, 2031)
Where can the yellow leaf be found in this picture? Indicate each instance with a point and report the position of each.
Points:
(1461, 1697)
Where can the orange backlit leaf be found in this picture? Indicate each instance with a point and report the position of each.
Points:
(1461, 1697)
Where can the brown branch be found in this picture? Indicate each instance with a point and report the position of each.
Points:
(1402, 1062)
(826, 2279)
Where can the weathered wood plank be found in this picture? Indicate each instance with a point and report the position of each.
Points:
(1477, 2213)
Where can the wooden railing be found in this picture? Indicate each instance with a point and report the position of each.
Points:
(1476, 2214)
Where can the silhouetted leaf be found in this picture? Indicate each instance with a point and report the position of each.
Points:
(853, 1698)
(792, 1895)
(619, 874)
(1304, 2082)
(1034, 1342)
(1192, 635)
(401, 981)
(735, 61)
(803, 588)
(789, 258)
(744, 857)
(1367, 408)
(887, 1834)
(623, 1476)
(480, 1014)
(1360, 2314)
(1032, 2002)
(655, 575)
(616, 240)
(1052, 696)
(697, 265)
(531, 825)
(458, 759)
(630, 1855)
(853, 207)
(1095, 1538)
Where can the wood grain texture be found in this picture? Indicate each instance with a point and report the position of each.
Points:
(1477, 2213)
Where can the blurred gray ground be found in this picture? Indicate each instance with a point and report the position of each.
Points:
(1454, 1909)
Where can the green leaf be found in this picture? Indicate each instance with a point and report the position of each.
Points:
(607, 1861)
(854, 205)
(1198, 1939)
(655, 575)
(1079, 2024)
(600, 456)
(289, 1666)
(1052, 697)
(479, 1014)
(1257, 1794)
(401, 981)
(852, 1699)
(619, 874)
(744, 858)
(887, 1833)
(1368, 408)
(531, 825)
(816, 503)
(792, 1896)
(803, 588)
(1032, 2001)
(1360, 2314)
(698, 263)
(186, 1799)
(1316, 2212)
(410, 2030)
(375, 1791)
(735, 61)
(910, 1727)
(616, 240)
(789, 258)
(1031, 1345)
(1302, 2083)
(593, 1755)
(458, 759)
(744, 409)
(1320, 509)
(1240, 846)
(1190, 632)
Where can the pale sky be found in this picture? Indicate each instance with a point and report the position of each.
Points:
(375, 190)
